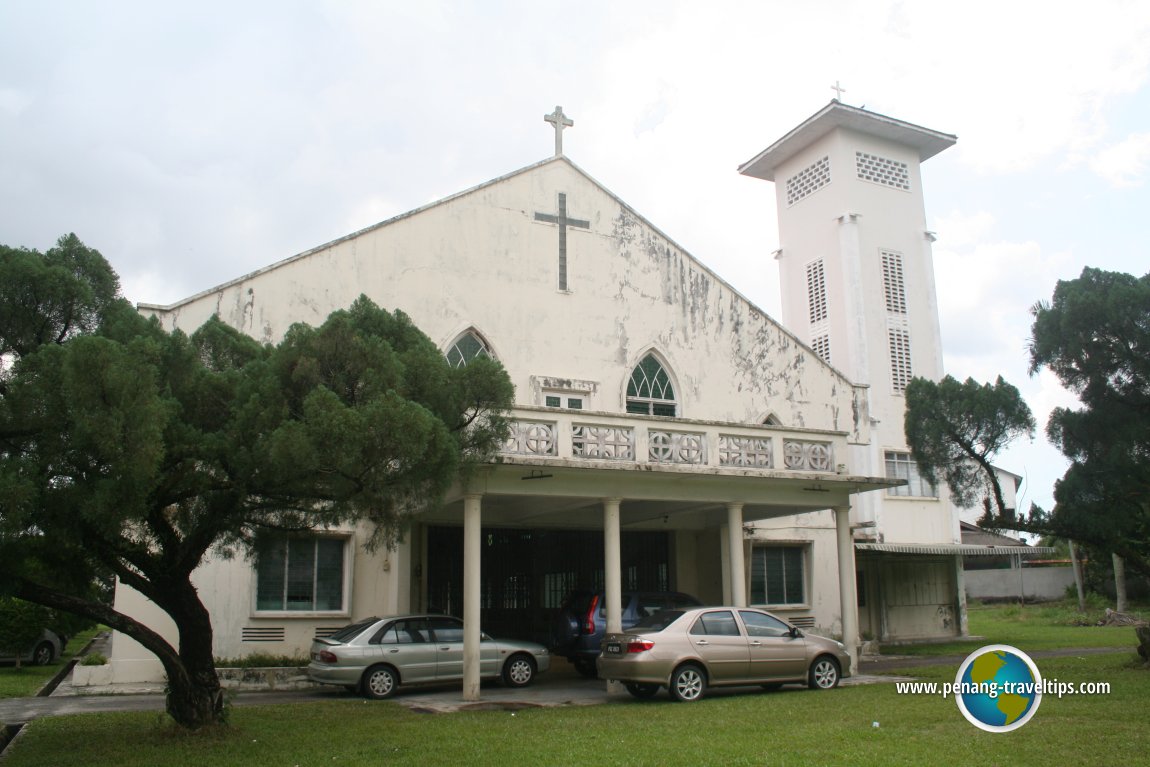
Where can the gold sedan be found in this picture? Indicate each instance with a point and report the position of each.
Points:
(688, 651)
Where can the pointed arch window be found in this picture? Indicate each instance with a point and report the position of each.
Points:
(649, 392)
(466, 348)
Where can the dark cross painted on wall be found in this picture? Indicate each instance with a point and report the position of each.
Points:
(563, 221)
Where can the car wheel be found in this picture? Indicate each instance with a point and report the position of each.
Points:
(688, 683)
(380, 682)
(43, 654)
(586, 667)
(518, 671)
(642, 691)
(824, 673)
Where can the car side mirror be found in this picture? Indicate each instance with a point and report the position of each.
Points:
(795, 633)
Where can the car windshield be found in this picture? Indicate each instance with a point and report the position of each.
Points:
(347, 633)
(659, 620)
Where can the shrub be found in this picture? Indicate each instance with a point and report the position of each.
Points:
(262, 660)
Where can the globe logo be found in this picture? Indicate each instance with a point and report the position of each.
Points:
(998, 688)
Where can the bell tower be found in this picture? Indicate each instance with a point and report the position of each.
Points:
(856, 271)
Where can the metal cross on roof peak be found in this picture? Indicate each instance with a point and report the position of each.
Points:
(839, 91)
(560, 121)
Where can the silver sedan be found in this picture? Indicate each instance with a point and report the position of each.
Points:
(687, 651)
(377, 655)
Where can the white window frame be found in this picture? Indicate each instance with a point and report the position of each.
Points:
(804, 549)
(345, 585)
(906, 468)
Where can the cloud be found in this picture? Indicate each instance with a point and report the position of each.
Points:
(1124, 164)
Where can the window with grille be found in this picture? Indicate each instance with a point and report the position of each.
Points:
(816, 292)
(778, 575)
(900, 371)
(902, 466)
(466, 348)
(649, 392)
(808, 180)
(822, 347)
(882, 170)
(892, 282)
(300, 573)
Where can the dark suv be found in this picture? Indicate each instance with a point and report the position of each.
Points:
(582, 620)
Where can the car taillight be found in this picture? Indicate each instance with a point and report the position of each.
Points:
(327, 657)
(639, 645)
(589, 620)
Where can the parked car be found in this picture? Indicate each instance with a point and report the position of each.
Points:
(577, 630)
(688, 651)
(377, 655)
(47, 649)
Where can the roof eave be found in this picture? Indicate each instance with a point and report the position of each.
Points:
(836, 115)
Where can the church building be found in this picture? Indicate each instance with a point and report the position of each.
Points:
(667, 433)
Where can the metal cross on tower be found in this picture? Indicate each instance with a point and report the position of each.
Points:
(560, 121)
(839, 91)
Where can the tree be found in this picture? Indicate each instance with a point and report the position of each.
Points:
(21, 624)
(127, 447)
(1095, 336)
(954, 430)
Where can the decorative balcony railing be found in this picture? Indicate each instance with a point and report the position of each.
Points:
(547, 433)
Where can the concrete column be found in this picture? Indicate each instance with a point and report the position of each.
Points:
(848, 596)
(472, 548)
(737, 573)
(960, 588)
(612, 566)
(613, 574)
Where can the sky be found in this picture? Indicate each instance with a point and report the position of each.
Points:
(191, 143)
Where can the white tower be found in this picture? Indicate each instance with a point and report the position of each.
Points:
(855, 261)
(857, 283)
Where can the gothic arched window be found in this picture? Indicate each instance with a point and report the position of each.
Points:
(466, 348)
(649, 392)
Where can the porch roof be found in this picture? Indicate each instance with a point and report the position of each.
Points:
(952, 549)
(558, 493)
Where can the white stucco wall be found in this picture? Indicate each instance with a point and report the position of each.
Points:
(481, 260)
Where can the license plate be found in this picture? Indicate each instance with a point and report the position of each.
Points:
(614, 649)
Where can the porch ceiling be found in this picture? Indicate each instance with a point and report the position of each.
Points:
(567, 494)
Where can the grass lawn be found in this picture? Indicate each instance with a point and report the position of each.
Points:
(793, 726)
(789, 727)
(27, 680)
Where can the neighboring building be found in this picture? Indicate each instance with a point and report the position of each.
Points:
(674, 436)
(998, 567)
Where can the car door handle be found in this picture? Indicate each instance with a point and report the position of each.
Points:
(756, 643)
(702, 642)
(394, 649)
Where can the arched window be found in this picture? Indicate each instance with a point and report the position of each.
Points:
(466, 348)
(649, 391)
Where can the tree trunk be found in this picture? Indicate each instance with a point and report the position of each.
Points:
(1143, 633)
(1077, 564)
(195, 698)
(1119, 582)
